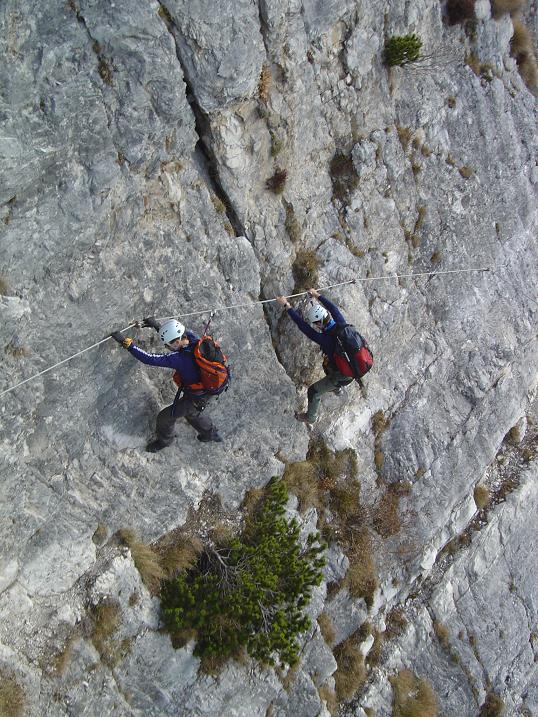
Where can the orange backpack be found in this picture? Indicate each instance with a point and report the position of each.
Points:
(214, 373)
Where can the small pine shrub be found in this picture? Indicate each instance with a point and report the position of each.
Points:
(251, 594)
(402, 49)
(458, 11)
(412, 697)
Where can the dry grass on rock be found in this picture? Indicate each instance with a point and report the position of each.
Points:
(413, 697)
(350, 674)
(12, 698)
(146, 560)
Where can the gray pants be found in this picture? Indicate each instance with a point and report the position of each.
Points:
(190, 408)
(332, 381)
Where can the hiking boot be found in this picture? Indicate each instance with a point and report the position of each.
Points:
(303, 417)
(154, 446)
(208, 439)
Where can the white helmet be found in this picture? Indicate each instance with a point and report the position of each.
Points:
(314, 312)
(171, 330)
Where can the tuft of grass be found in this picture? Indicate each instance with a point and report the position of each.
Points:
(105, 622)
(305, 269)
(350, 674)
(436, 257)
(404, 135)
(100, 534)
(493, 706)
(451, 102)
(4, 287)
(277, 143)
(292, 225)
(328, 695)
(482, 496)
(17, 351)
(264, 85)
(521, 48)
(386, 517)
(277, 182)
(180, 556)
(412, 696)
(466, 172)
(105, 71)
(145, 559)
(326, 628)
(361, 578)
(450, 160)
(458, 11)
(474, 63)
(12, 698)
(164, 14)
(62, 659)
(396, 623)
(218, 204)
(301, 479)
(505, 7)
(344, 178)
(442, 634)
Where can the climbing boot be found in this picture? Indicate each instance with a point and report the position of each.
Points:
(208, 439)
(303, 418)
(154, 446)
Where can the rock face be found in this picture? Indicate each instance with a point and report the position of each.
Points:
(136, 142)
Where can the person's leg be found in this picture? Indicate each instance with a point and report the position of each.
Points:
(165, 430)
(165, 426)
(315, 392)
(193, 412)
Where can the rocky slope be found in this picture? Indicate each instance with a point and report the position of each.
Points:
(136, 142)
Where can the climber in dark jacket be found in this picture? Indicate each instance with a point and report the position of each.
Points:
(322, 319)
(190, 400)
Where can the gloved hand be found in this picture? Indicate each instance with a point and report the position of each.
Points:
(151, 322)
(125, 341)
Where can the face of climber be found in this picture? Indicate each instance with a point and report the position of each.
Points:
(178, 344)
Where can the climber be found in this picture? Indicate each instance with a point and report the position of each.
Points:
(323, 319)
(191, 398)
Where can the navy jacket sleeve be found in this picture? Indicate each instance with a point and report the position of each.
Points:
(163, 360)
(305, 328)
(332, 309)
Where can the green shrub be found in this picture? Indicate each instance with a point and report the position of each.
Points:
(251, 594)
(402, 49)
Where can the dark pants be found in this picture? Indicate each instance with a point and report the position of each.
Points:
(332, 381)
(190, 408)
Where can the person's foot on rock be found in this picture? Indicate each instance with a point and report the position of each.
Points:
(208, 439)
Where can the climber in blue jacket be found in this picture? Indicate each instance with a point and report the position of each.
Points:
(322, 319)
(191, 398)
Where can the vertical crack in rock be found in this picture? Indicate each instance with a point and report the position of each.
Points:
(103, 66)
(202, 128)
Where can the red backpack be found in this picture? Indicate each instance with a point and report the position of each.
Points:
(214, 373)
(352, 356)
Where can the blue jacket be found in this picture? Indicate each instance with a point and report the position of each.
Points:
(326, 338)
(182, 361)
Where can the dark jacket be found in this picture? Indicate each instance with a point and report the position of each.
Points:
(326, 339)
(182, 361)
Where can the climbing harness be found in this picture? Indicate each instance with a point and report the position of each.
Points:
(213, 310)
